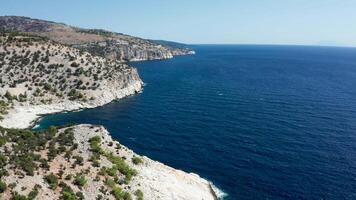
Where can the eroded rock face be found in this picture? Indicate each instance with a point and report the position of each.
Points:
(102, 43)
(125, 51)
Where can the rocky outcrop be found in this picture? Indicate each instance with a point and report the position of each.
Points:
(102, 43)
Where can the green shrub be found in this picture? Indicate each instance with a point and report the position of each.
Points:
(119, 194)
(68, 177)
(3, 172)
(121, 166)
(127, 196)
(95, 144)
(139, 194)
(80, 195)
(68, 196)
(8, 96)
(110, 182)
(67, 192)
(96, 163)
(17, 196)
(3, 160)
(79, 180)
(111, 171)
(78, 160)
(52, 180)
(34, 192)
(2, 141)
(3, 187)
(136, 160)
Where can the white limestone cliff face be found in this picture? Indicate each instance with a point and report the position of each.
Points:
(23, 115)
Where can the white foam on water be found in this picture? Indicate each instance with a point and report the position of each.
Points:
(219, 193)
(36, 126)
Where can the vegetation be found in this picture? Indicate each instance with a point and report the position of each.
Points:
(136, 160)
(3, 108)
(52, 180)
(25, 156)
(95, 145)
(80, 180)
(34, 192)
(3, 187)
(139, 194)
(67, 192)
(119, 163)
(121, 166)
(50, 71)
(119, 194)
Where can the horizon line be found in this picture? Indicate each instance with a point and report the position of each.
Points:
(267, 44)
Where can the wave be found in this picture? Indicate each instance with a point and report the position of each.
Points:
(218, 192)
(36, 126)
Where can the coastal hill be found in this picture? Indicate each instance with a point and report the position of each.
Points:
(98, 42)
(40, 76)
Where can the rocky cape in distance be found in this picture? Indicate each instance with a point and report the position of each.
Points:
(98, 42)
(48, 67)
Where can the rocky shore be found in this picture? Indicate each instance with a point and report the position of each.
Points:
(24, 115)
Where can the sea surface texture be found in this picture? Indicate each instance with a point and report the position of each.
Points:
(260, 122)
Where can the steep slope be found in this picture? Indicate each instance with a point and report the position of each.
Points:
(39, 76)
(98, 42)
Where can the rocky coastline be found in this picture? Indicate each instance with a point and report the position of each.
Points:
(41, 77)
(25, 115)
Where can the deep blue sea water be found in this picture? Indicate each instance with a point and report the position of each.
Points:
(260, 122)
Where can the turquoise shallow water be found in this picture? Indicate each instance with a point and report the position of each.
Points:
(261, 122)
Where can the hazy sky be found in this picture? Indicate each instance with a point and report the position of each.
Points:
(323, 22)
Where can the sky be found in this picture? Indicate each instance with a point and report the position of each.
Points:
(297, 22)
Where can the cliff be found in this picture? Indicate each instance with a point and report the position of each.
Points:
(98, 42)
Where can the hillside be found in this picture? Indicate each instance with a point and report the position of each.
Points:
(83, 162)
(41, 74)
(98, 42)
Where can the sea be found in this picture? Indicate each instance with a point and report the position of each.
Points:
(258, 121)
